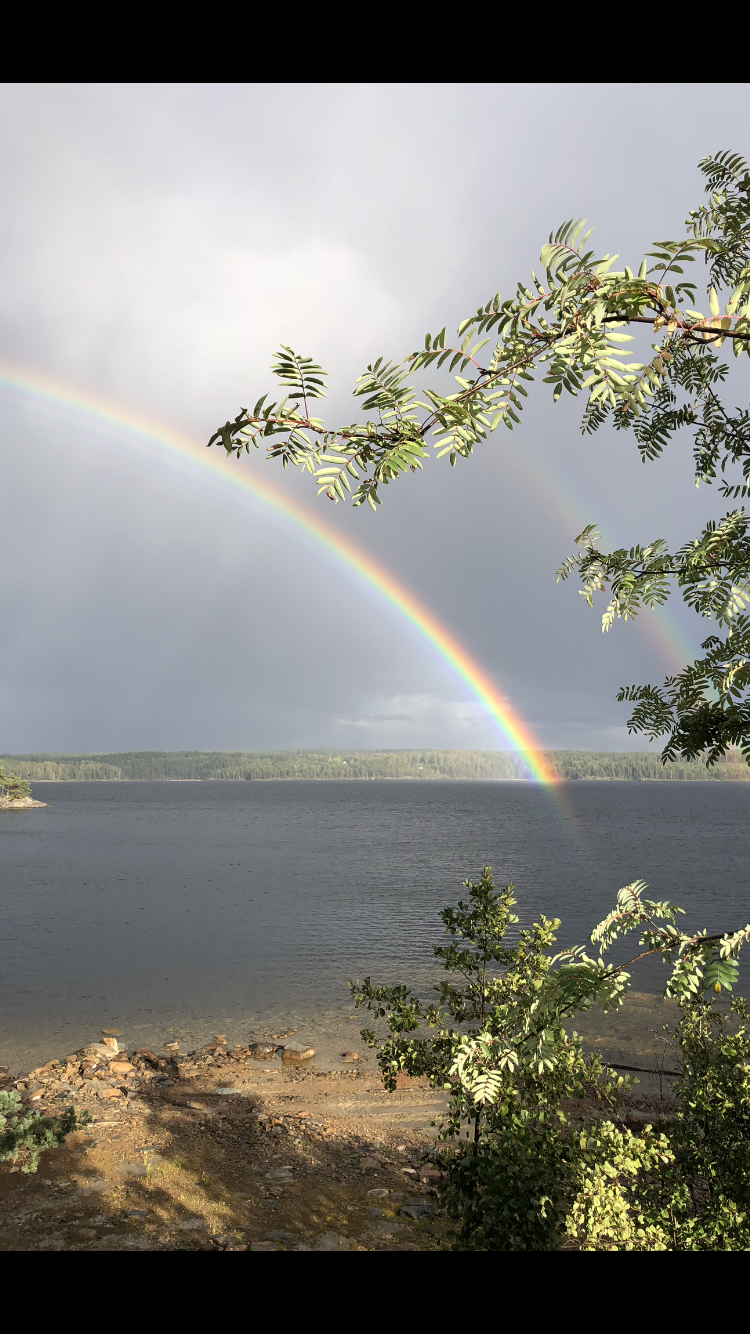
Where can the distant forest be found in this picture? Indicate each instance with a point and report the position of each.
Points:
(163, 766)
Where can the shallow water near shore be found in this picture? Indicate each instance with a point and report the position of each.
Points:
(180, 910)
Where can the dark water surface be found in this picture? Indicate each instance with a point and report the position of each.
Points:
(184, 909)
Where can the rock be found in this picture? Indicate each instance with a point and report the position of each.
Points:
(429, 1175)
(350, 1056)
(416, 1211)
(297, 1051)
(279, 1174)
(145, 1054)
(331, 1242)
(225, 1092)
(111, 1043)
(262, 1051)
(637, 1120)
(171, 1046)
(192, 1224)
(369, 1164)
(133, 1169)
(280, 1236)
(137, 1213)
(376, 1213)
(221, 1038)
(86, 1233)
(99, 1049)
(384, 1229)
(110, 1093)
(111, 1033)
(263, 1246)
(408, 1171)
(378, 1193)
(121, 1067)
(93, 1187)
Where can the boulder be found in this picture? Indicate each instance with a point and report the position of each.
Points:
(297, 1051)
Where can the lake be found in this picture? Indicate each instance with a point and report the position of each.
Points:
(180, 910)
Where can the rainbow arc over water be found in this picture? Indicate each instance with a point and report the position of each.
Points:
(191, 457)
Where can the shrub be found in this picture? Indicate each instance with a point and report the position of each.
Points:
(533, 1153)
(26, 1135)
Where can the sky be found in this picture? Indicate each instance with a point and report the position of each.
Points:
(157, 244)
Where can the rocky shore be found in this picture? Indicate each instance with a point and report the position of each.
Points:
(231, 1147)
(21, 804)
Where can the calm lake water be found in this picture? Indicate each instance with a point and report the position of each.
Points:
(186, 909)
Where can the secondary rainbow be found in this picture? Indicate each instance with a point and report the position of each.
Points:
(193, 458)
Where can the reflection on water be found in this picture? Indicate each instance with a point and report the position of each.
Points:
(185, 909)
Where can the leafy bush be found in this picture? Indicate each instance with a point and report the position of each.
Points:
(702, 1201)
(26, 1135)
(533, 1152)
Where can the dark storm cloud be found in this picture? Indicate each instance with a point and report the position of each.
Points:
(157, 243)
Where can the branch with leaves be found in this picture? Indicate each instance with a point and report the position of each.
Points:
(569, 326)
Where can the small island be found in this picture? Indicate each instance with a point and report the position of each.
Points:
(15, 793)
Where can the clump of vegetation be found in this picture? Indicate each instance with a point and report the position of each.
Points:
(25, 1135)
(13, 788)
(533, 1150)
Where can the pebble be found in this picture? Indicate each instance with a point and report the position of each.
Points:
(280, 1236)
(379, 1192)
(279, 1174)
(262, 1050)
(227, 1092)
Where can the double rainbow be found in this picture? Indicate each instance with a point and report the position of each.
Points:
(192, 457)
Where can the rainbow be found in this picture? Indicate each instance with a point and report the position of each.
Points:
(194, 459)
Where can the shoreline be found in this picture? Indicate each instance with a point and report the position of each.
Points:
(227, 1149)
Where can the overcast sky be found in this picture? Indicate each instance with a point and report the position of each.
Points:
(158, 243)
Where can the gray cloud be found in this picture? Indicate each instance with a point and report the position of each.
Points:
(158, 243)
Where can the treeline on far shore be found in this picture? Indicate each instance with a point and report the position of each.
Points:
(497, 765)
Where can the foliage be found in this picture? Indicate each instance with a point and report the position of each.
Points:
(477, 765)
(567, 324)
(12, 787)
(26, 1134)
(701, 1199)
(520, 1174)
